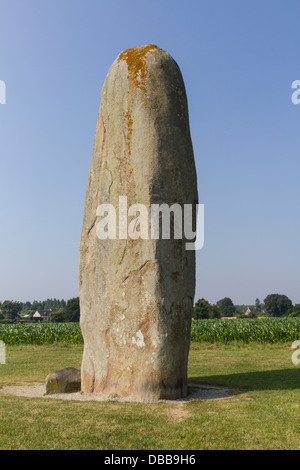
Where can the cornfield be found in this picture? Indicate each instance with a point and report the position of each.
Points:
(246, 330)
(41, 333)
(268, 330)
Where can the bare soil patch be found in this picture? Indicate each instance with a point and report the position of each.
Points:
(195, 392)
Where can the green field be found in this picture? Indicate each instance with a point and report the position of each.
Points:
(262, 331)
(262, 414)
(41, 333)
(246, 330)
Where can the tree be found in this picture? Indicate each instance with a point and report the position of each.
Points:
(201, 309)
(72, 310)
(226, 307)
(296, 311)
(278, 305)
(26, 306)
(11, 309)
(252, 315)
(214, 312)
(36, 305)
(30, 313)
(258, 305)
(57, 316)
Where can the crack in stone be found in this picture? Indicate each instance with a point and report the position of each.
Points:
(136, 270)
(92, 226)
(123, 253)
(111, 181)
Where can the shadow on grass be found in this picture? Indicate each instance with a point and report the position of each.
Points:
(284, 379)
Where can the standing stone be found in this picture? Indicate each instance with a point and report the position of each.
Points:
(136, 295)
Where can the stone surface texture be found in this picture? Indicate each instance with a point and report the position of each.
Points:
(63, 381)
(136, 296)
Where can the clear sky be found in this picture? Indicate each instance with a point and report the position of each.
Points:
(238, 59)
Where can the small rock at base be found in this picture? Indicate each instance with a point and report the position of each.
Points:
(63, 381)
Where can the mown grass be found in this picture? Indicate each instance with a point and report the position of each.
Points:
(263, 413)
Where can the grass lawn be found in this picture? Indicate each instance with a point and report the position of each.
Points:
(263, 413)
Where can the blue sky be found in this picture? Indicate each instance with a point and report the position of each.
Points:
(238, 60)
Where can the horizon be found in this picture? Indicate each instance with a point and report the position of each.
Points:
(195, 300)
(240, 71)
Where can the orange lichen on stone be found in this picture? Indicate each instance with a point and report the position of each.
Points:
(137, 67)
(136, 74)
(129, 130)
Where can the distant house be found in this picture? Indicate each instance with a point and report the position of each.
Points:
(43, 315)
(250, 310)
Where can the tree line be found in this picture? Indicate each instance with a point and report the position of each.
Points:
(274, 305)
(62, 311)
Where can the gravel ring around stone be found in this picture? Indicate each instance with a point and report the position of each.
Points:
(196, 392)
